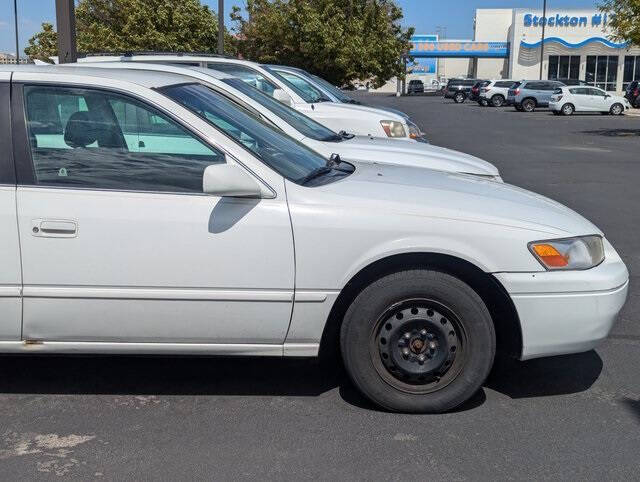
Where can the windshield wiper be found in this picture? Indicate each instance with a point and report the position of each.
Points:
(332, 164)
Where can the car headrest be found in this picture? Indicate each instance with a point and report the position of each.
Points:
(80, 131)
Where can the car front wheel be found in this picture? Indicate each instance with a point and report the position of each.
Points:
(497, 101)
(529, 105)
(418, 341)
(616, 109)
(459, 98)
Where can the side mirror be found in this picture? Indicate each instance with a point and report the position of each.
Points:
(281, 96)
(229, 180)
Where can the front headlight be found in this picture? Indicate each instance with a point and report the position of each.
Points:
(415, 133)
(582, 252)
(393, 128)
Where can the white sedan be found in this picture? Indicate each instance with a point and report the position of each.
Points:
(358, 119)
(138, 214)
(567, 100)
(316, 136)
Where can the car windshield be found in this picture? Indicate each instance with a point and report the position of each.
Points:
(300, 122)
(283, 154)
(340, 95)
(309, 93)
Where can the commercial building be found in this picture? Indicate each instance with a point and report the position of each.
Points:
(508, 43)
(6, 58)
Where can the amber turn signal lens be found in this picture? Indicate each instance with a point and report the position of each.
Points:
(550, 255)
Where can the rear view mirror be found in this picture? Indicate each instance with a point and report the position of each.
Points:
(229, 180)
(281, 96)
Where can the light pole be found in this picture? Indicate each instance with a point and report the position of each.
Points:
(544, 24)
(221, 27)
(15, 19)
(66, 23)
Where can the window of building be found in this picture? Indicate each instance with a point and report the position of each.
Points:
(631, 70)
(602, 71)
(564, 67)
(94, 139)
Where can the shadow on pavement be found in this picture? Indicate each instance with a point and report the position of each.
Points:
(614, 132)
(263, 377)
(633, 406)
(542, 377)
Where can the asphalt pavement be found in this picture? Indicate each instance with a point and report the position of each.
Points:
(572, 418)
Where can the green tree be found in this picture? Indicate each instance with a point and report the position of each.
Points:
(44, 44)
(624, 19)
(136, 25)
(340, 40)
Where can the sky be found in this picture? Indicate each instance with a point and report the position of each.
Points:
(425, 15)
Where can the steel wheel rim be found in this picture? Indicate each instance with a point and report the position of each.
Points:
(528, 106)
(567, 110)
(418, 346)
(616, 109)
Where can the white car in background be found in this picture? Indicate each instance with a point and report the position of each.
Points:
(495, 92)
(567, 100)
(141, 215)
(354, 119)
(313, 83)
(316, 136)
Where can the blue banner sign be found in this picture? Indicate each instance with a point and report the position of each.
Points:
(446, 48)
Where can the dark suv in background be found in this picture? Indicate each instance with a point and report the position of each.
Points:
(415, 87)
(459, 89)
(633, 93)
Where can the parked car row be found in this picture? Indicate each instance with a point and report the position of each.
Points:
(208, 208)
(561, 96)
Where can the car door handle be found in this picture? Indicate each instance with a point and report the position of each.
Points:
(54, 228)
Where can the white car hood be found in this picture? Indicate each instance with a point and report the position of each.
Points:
(416, 154)
(355, 110)
(428, 193)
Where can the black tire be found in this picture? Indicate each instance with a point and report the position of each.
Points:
(445, 318)
(528, 105)
(459, 97)
(497, 100)
(567, 109)
(616, 109)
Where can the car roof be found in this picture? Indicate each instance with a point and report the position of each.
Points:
(162, 57)
(155, 67)
(287, 67)
(145, 78)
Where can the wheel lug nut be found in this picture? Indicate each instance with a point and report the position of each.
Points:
(432, 345)
(407, 335)
(421, 359)
(423, 333)
(405, 352)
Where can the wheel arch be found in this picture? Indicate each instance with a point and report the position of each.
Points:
(494, 295)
